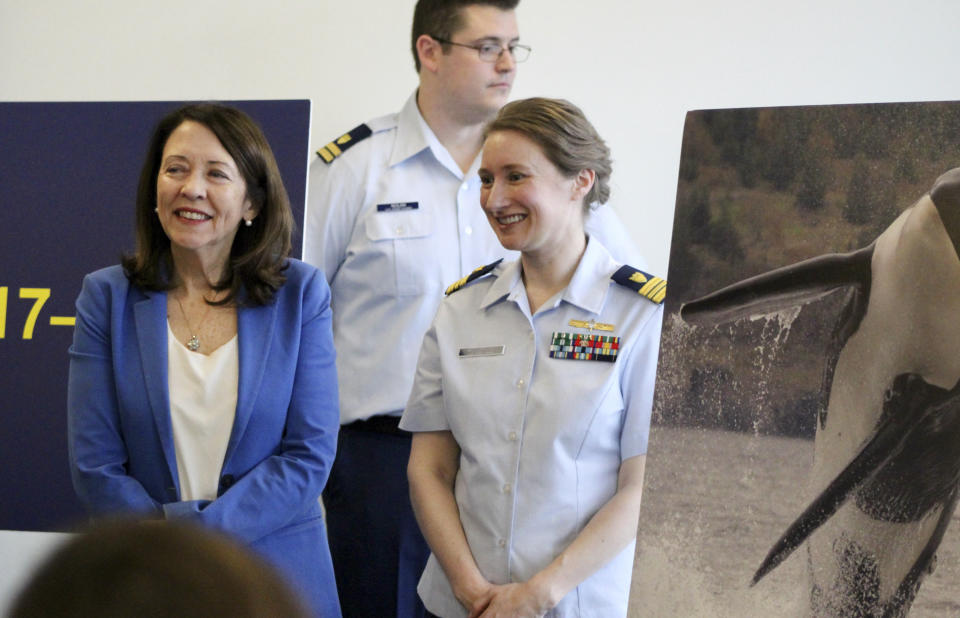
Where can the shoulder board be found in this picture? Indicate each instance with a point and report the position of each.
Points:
(336, 148)
(644, 284)
(476, 274)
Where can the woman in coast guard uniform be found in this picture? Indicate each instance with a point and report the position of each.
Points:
(532, 398)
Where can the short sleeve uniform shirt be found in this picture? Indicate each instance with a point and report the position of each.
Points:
(541, 437)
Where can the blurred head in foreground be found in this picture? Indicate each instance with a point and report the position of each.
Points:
(154, 570)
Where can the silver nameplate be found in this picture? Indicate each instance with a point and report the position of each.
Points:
(490, 350)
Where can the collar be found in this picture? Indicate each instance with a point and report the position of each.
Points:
(591, 281)
(587, 288)
(507, 284)
(414, 136)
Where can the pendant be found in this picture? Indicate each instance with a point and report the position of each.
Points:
(194, 344)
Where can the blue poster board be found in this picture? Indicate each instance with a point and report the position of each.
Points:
(68, 181)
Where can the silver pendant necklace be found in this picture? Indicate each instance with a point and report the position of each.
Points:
(193, 344)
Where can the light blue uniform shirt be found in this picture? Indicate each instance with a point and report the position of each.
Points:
(391, 222)
(541, 438)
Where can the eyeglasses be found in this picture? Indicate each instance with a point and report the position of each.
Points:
(491, 52)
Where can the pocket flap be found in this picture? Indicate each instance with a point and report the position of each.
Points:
(398, 225)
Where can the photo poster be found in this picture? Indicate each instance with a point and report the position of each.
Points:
(769, 392)
(69, 176)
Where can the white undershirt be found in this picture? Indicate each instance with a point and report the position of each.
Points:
(203, 404)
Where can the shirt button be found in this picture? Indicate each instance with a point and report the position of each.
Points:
(468, 230)
(506, 488)
(520, 383)
(399, 230)
(502, 543)
(513, 436)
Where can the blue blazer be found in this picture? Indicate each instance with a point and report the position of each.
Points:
(283, 439)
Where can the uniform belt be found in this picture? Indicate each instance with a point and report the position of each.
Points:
(379, 424)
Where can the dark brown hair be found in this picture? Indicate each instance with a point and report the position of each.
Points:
(161, 570)
(259, 252)
(443, 18)
(564, 135)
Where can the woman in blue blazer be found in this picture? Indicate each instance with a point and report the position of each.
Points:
(202, 376)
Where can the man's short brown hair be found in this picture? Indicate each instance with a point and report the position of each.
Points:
(443, 18)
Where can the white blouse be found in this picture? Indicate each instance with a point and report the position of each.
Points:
(203, 404)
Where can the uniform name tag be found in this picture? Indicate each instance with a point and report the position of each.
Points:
(490, 350)
(396, 206)
(577, 346)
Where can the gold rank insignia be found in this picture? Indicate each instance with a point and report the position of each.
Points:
(591, 325)
(645, 284)
(476, 274)
(337, 147)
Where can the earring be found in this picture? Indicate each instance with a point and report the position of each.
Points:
(156, 209)
(248, 222)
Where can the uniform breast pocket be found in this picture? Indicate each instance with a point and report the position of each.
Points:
(609, 410)
(592, 404)
(403, 237)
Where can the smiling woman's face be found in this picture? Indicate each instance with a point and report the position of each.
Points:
(529, 203)
(201, 194)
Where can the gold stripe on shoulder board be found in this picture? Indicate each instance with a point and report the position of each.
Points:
(337, 147)
(476, 274)
(649, 286)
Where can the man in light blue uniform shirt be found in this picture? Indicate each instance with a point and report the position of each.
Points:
(394, 216)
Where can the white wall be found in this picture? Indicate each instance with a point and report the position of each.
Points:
(635, 67)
